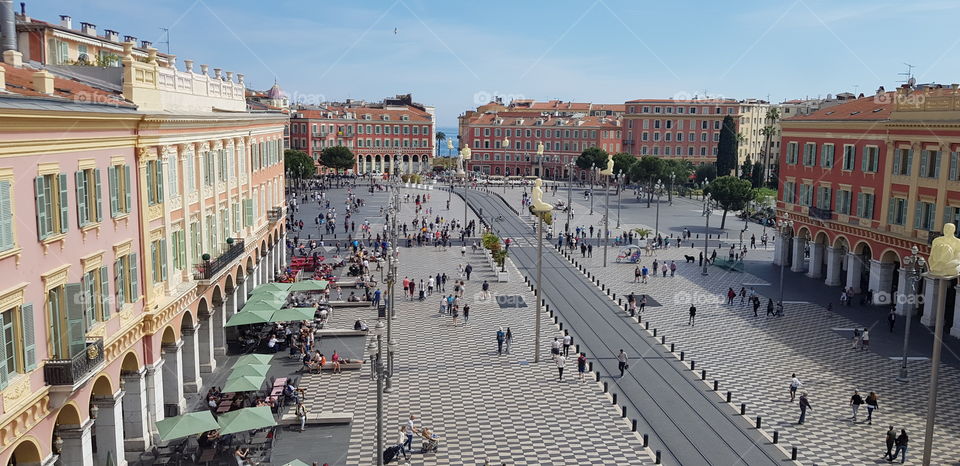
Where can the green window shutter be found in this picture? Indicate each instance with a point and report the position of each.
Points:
(909, 169)
(891, 210)
(104, 293)
(6, 217)
(936, 168)
(29, 337)
(4, 377)
(916, 215)
(112, 180)
(41, 196)
(134, 278)
(76, 324)
(953, 166)
(64, 204)
(163, 259)
(896, 162)
(97, 198)
(126, 184)
(118, 283)
(82, 212)
(88, 284)
(248, 212)
(924, 159)
(183, 249)
(154, 262)
(150, 192)
(159, 168)
(859, 204)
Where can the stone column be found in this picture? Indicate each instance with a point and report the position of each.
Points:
(854, 270)
(154, 382)
(191, 360)
(778, 251)
(815, 269)
(243, 287)
(135, 419)
(930, 288)
(955, 330)
(208, 363)
(218, 321)
(905, 298)
(173, 375)
(234, 305)
(798, 265)
(881, 282)
(109, 428)
(77, 444)
(834, 256)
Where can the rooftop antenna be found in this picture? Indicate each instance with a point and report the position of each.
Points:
(166, 31)
(908, 75)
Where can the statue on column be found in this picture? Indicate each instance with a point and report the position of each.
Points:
(461, 160)
(609, 170)
(945, 253)
(537, 194)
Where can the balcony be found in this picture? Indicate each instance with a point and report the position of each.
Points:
(209, 268)
(77, 369)
(822, 214)
(274, 215)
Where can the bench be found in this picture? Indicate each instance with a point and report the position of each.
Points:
(317, 418)
(339, 332)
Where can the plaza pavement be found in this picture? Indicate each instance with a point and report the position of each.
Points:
(485, 407)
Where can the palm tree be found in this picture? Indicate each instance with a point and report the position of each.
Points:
(441, 138)
(768, 131)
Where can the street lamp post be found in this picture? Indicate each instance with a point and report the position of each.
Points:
(913, 265)
(506, 148)
(619, 195)
(379, 374)
(606, 218)
(593, 171)
(943, 281)
(570, 166)
(706, 239)
(786, 234)
(657, 188)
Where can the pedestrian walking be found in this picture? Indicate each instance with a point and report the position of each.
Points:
(581, 366)
(892, 318)
(508, 339)
(743, 295)
(466, 313)
(770, 308)
(856, 339)
(567, 342)
(902, 441)
(500, 339)
(673, 267)
(795, 383)
(468, 270)
(643, 302)
(804, 406)
(843, 297)
(730, 295)
(622, 362)
(561, 360)
(590, 250)
(693, 315)
(644, 273)
(891, 441)
(485, 290)
(663, 269)
(636, 274)
(865, 340)
(756, 305)
(555, 347)
(855, 401)
(873, 403)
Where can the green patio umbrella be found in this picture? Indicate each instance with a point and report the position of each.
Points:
(186, 425)
(243, 383)
(246, 419)
(255, 370)
(296, 463)
(274, 286)
(309, 285)
(246, 317)
(270, 294)
(254, 359)
(261, 306)
(293, 314)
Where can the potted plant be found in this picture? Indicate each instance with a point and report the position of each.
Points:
(229, 240)
(205, 257)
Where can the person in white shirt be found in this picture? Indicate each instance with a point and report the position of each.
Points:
(795, 383)
(555, 349)
(622, 362)
(408, 430)
(561, 361)
(567, 342)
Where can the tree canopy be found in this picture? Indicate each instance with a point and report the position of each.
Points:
(731, 193)
(298, 163)
(622, 162)
(592, 157)
(706, 172)
(727, 147)
(337, 158)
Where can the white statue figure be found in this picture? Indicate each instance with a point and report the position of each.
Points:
(609, 170)
(945, 253)
(537, 195)
(461, 160)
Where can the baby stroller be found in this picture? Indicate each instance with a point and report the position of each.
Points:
(391, 453)
(431, 441)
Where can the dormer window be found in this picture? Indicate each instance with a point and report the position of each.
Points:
(367, 117)
(405, 117)
(386, 117)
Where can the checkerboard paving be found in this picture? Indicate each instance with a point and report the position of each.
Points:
(485, 407)
(754, 358)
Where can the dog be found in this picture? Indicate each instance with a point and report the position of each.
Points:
(689, 259)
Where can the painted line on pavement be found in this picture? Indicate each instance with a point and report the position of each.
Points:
(910, 358)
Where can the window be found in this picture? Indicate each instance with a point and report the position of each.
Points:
(826, 156)
(125, 280)
(656, 124)
(52, 208)
(247, 213)
(154, 182)
(195, 243)
(789, 192)
(809, 154)
(18, 352)
(222, 163)
(7, 238)
(791, 153)
(158, 260)
(96, 296)
(952, 215)
(923, 216)
(88, 197)
(902, 162)
(897, 211)
(843, 202)
(179, 241)
(849, 157)
(865, 205)
(871, 159)
(930, 164)
(644, 136)
(953, 174)
(806, 195)
(823, 197)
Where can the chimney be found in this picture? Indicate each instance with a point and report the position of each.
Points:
(130, 39)
(146, 44)
(88, 28)
(66, 21)
(8, 26)
(111, 35)
(43, 82)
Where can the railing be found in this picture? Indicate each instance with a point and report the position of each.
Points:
(208, 269)
(70, 371)
(273, 215)
(822, 214)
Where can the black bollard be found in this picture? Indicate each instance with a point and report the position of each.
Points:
(663, 339)
(598, 376)
(561, 325)
(646, 325)
(623, 411)
(693, 364)
(590, 366)
(658, 458)
(614, 296)
(793, 453)
(646, 440)
(633, 424)
(758, 422)
(672, 347)
(776, 436)
(654, 332)
(614, 398)
(743, 409)
(605, 387)
(729, 396)
(703, 374)
(681, 355)
(716, 385)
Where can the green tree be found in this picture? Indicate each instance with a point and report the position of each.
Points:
(646, 171)
(746, 168)
(592, 157)
(730, 193)
(441, 138)
(756, 177)
(706, 172)
(298, 163)
(337, 158)
(676, 172)
(622, 162)
(727, 147)
(769, 131)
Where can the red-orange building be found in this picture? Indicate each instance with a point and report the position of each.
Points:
(681, 129)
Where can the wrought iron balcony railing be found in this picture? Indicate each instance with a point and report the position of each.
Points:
(70, 371)
(822, 214)
(209, 268)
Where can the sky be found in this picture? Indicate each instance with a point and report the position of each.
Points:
(456, 55)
